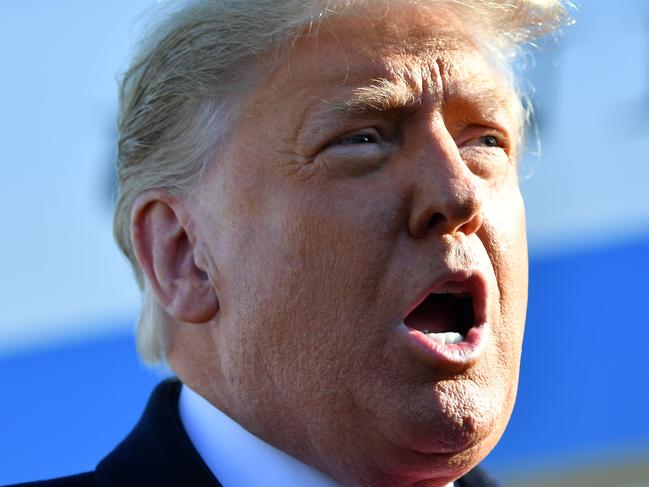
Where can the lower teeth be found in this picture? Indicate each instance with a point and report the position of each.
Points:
(445, 338)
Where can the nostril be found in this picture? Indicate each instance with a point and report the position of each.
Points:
(435, 220)
(472, 225)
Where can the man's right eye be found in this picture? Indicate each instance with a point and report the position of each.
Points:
(369, 136)
(357, 153)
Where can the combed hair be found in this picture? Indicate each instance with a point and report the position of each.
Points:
(178, 97)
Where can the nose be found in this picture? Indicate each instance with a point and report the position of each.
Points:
(447, 197)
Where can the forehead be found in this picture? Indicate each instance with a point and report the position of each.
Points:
(397, 55)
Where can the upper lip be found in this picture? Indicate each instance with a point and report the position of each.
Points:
(471, 280)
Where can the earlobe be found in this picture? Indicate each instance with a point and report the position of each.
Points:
(166, 255)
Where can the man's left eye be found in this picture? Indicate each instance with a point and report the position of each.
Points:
(490, 141)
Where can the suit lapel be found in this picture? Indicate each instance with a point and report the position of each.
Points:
(157, 451)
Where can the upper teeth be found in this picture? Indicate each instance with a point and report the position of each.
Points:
(445, 338)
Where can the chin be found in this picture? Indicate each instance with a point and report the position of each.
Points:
(459, 447)
(406, 467)
(456, 415)
(429, 442)
(449, 434)
(459, 458)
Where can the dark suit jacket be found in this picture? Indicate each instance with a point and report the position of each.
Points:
(159, 453)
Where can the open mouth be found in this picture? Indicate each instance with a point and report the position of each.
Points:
(448, 312)
(447, 324)
(445, 317)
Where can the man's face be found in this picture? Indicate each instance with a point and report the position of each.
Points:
(367, 204)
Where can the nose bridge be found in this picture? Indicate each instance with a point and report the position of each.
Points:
(447, 196)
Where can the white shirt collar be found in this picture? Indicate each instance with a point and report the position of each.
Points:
(236, 457)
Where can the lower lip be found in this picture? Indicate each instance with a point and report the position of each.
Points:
(452, 356)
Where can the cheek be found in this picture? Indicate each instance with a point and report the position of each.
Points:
(335, 247)
(308, 272)
(507, 250)
(506, 242)
(511, 265)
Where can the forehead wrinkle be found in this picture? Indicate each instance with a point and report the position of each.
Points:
(481, 88)
(483, 85)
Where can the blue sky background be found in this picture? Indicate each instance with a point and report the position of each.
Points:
(68, 300)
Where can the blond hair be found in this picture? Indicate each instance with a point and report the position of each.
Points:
(177, 96)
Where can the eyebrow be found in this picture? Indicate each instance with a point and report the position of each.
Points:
(382, 95)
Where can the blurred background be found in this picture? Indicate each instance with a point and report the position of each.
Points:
(71, 385)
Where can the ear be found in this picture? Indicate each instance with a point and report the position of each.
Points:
(165, 251)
